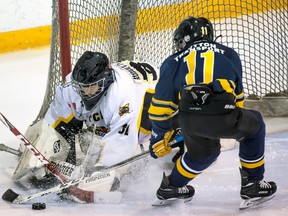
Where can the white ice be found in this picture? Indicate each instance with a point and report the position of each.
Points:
(22, 88)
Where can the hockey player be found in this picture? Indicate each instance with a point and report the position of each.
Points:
(204, 80)
(112, 101)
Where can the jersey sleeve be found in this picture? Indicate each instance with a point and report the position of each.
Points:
(164, 103)
(60, 115)
(239, 91)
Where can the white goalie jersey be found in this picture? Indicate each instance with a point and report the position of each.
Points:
(118, 112)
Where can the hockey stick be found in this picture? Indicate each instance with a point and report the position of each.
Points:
(86, 196)
(13, 197)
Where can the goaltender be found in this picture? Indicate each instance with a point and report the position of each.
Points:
(101, 109)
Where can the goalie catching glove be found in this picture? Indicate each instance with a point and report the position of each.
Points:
(161, 148)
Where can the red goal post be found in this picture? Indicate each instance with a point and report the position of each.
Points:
(143, 29)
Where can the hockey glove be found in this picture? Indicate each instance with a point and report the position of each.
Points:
(161, 148)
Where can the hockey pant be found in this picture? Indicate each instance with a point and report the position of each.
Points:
(202, 135)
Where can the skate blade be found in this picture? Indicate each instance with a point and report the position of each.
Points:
(254, 202)
(159, 202)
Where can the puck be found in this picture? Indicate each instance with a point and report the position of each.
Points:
(38, 206)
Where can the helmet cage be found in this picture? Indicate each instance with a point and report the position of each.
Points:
(91, 77)
(89, 91)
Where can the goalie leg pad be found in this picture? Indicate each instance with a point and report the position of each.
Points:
(99, 182)
(48, 142)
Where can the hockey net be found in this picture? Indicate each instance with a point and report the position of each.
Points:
(142, 30)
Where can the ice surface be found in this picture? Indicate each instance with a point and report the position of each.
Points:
(22, 87)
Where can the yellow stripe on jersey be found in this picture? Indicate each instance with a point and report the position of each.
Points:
(240, 104)
(252, 165)
(164, 103)
(160, 113)
(160, 110)
(228, 86)
(62, 119)
(240, 100)
(240, 96)
(183, 172)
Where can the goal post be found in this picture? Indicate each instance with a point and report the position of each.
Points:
(142, 30)
(64, 35)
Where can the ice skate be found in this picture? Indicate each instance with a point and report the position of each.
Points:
(168, 194)
(255, 192)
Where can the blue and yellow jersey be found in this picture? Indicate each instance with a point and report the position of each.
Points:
(202, 62)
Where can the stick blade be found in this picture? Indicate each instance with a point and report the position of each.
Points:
(9, 195)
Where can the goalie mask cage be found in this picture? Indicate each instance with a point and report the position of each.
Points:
(143, 30)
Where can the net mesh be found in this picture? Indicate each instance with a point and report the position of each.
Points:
(257, 30)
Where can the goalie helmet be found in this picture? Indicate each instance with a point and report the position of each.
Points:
(91, 77)
(193, 29)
